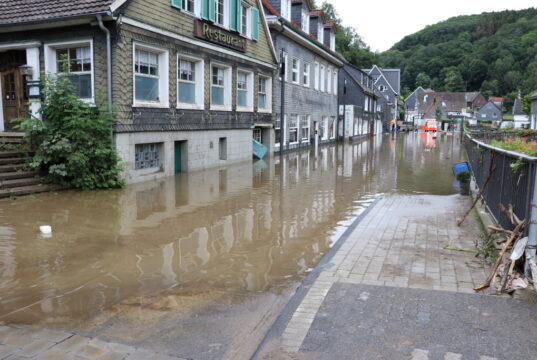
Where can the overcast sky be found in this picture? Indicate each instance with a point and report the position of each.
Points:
(383, 23)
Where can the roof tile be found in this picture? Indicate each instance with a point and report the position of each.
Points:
(28, 11)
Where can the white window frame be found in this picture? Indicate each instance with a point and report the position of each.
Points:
(51, 65)
(324, 125)
(335, 84)
(248, 32)
(268, 93)
(227, 86)
(322, 79)
(295, 71)
(306, 74)
(164, 82)
(249, 91)
(183, 7)
(297, 129)
(317, 75)
(199, 83)
(320, 32)
(286, 9)
(305, 21)
(308, 120)
(334, 125)
(329, 80)
(225, 15)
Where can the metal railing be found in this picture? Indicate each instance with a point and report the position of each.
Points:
(508, 185)
(488, 136)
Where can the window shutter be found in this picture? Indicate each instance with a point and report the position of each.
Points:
(238, 11)
(177, 3)
(205, 9)
(211, 9)
(234, 18)
(255, 24)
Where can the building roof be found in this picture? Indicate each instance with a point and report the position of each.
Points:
(517, 107)
(448, 101)
(30, 11)
(392, 76)
(533, 96)
(491, 103)
(496, 99)
(356, 75)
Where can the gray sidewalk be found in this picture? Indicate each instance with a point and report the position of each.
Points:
(393, 291)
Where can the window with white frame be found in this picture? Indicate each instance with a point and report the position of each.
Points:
(293, 129)
(188, 5)
(322, 128)
(219, 12)
(286, 9)
(332, 128)
(306, 75)
(320, 31)
(245, 90)
(335, 83)
(150, 76)
(245, 20)
(305, 20)
(305, 128)
(76, 62)
(322, 79)
(329, 81)
(264, 100)
(277, 129)
(147, 156)
(220, 87)
(317, 75)
(190, 82)
(286, 66)
(294, 68)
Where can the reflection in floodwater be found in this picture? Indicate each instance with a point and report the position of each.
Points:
(242, 228)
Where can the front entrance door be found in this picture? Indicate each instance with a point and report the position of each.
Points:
(177, 154)
(13, 97)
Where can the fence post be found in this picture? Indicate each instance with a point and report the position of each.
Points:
(532, 234)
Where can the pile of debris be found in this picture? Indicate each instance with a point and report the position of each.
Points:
(504, 276)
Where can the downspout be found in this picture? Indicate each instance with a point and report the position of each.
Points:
(108, 70)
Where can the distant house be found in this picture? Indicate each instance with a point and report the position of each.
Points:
(360, 102)
(497, 100)
(451, 104)
(388, 82)
(489, 112)
(411, 105)
(519, 116)
(533, 98)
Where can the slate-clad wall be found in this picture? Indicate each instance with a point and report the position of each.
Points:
(150, 119)
(296, 12)
(487, 113)
(82, 32)
(301, 100)
(534, 114)
(355, 95)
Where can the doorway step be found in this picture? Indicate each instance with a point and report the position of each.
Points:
(16, 177)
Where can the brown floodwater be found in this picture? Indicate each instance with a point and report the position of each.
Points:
(243, 229)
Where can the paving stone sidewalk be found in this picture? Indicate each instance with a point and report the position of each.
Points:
(406, 242)
(20, 343)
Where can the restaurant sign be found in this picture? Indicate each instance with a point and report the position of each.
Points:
(214, 34)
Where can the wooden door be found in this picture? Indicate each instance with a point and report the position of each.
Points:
(13, 98)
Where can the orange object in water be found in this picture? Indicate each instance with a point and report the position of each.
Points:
(430, 125)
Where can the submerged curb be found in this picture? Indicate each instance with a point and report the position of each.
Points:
(302, 290)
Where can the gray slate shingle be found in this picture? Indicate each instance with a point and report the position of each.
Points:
(28, 11)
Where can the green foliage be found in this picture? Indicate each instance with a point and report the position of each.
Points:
(75, 147)
(464, 176)
(519, 145)
(517, 166)
(495, 53)
(423, 80)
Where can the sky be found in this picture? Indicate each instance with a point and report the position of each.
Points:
(383, 23)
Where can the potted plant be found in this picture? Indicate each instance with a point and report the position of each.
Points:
(464, 181)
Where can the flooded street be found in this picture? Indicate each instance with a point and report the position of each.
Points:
(202, 257)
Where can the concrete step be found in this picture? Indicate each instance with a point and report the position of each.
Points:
(12, 134)
(12, 168)
(18, 175)
(14, 154)
(11, 140)
(28, 190)
(13, 183)
(14, 160)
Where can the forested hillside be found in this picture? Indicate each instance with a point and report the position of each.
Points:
(495, 53)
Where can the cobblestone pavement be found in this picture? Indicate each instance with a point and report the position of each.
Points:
(19, 343)
(410, 244)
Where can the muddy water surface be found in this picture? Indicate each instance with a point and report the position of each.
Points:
(199, 255)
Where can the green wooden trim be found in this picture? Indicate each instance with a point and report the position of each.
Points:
(177, 4)
(212, 10)
(255, 24)
(233, 16)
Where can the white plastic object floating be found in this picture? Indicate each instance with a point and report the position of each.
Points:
(519, 248)
(45, 229)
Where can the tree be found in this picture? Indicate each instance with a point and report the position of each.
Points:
(423, 80)
(453, 80)
(75, 146)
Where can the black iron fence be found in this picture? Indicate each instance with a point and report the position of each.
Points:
(510, 177)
